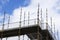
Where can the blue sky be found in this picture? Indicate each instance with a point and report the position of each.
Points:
(10, 5)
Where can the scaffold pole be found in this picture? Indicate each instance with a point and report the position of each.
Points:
(8, 24)
(51, 24)
(46, 19)
(47, 23)
(3, 26)
(19, 32)
(38, 22)
(28, 17)
(41, 18)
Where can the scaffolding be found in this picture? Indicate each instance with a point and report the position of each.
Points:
(34, 32)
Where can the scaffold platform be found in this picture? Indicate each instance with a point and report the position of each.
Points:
(30, 31)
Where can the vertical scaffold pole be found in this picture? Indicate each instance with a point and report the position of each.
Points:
(24, 23)
(23, 37)
(41, 17)
(54, 28)
(51, 24)
(46, 19)
(24, 18)
(28, 17)
(57, 35)
(54, 32)
(3, 21)
(38, 15)
(47, 23)
(3, 26)
(19, 32)
(8, 24)
(38, 23)
(8, 21)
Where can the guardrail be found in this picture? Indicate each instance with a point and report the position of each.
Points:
(43, 27)
(27, 23)
(24, 23)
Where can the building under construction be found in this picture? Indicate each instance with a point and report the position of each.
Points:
(33, 31)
